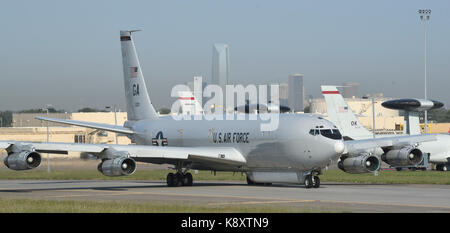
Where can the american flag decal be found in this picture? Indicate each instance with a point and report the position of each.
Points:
(133, 72)
(343, 109)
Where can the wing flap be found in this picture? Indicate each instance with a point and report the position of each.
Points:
(221, 155)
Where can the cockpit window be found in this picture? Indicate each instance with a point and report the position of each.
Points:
(331, 133)
(314, 132)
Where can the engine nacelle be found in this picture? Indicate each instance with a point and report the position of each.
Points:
(403, 157)
(121, 166)
(360, 164)
(23, 160)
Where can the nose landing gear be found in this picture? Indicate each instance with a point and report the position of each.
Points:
(312, 181)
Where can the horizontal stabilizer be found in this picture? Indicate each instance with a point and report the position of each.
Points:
(107, 127)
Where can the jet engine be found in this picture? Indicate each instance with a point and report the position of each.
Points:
(23, 160)
(360, 164)
(403, 157)
(121, 166)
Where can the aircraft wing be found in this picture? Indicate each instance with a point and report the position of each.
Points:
(107, 127)
(387, 142)
(54, 147)
(208, 157)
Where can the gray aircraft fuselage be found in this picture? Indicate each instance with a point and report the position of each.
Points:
(291, 147)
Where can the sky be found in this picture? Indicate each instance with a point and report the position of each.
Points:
(67, 53)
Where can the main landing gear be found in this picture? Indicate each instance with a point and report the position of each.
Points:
(180, 178)
(442, 167)
(312, 181)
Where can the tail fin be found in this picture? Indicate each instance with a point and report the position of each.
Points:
(139, 106)
(189, 105)
(342, 116)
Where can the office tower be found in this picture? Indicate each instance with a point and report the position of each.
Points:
(284, 91)
(284, 94)
(220, 65)
(350, 90)
(296, 92)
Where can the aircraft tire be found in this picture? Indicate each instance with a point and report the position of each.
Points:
(308, 182)
(250, 182)
(316, 181)
(189, 180)
(440, 167)
(170, 180)
(179, 179)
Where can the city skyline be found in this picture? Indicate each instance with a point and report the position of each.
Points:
(68, 55)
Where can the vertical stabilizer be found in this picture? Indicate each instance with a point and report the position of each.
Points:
(139, 106)
(342, 116)
(189, 105)
(412, 124)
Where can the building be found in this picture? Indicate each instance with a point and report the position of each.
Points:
(284, 94)
(435, 127)
(27, 128)
(29, 120)
(296, 92)
(350, 90)
(220, 65)
(386, 120)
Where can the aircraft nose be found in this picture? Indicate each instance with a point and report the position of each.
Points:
(339, 147)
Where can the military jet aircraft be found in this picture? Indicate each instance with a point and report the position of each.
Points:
(295, 152)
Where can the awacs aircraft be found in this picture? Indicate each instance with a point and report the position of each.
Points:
(343, 117)
(295, 152)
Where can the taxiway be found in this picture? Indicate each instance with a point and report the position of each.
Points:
(330, 197)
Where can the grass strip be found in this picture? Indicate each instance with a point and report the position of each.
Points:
(332, 175)
(76, 206)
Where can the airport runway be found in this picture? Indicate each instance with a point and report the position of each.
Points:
(330, 197)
